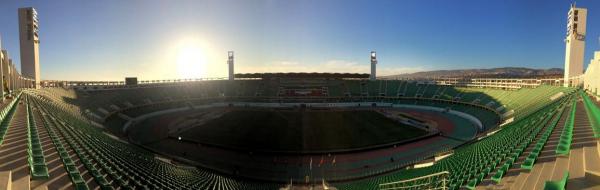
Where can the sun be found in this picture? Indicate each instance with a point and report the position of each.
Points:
(191, 62)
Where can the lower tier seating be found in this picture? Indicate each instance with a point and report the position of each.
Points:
(471, 163)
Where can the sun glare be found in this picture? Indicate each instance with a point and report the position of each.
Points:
(191, 62)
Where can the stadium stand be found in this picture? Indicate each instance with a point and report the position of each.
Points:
(470, 164)
(104, 158)
(89, 159)
(517, 100)
(550, 167)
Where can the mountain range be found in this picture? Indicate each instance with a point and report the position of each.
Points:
(503, 72)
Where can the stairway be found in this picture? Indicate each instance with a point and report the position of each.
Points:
(582, 138)
(13, 151)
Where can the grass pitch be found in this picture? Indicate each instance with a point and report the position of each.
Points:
(301, 130)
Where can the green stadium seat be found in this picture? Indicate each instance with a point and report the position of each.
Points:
(39, 172)
(557, 185)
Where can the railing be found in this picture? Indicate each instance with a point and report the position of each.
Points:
(433, 182)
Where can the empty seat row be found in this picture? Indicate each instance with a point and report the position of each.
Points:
(566, 137)
(67, 161)
(6, 115)
(36, 160)
(533, 155)
(593, 113)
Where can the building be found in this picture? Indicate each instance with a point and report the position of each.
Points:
(575, 44)
(5, 71)
(29, 42)
(591, 81)
(3, 56)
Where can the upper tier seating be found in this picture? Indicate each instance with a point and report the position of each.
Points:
(513, 103)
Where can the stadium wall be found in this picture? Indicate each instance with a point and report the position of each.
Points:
(591, 82)
(472, 119)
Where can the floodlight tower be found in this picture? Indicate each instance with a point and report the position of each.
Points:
(230, 63)
(373, 66)
(575, 44)
(29, 41)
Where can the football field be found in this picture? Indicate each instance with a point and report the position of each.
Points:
(300, 130)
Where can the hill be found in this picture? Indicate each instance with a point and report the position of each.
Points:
(504, 72)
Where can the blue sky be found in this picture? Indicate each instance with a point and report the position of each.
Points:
(152, 39)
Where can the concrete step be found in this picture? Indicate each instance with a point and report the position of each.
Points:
(5, 180)
(519, 180)
(21, 183)
(13, 152)
(576, 163)
(576, 169)
(560, 166)
(534, 175)
(592, 163)
(507, 182)
(545, 175)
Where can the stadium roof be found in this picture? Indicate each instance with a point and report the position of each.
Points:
(301, 75)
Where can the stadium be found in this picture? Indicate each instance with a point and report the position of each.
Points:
(299, 130)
